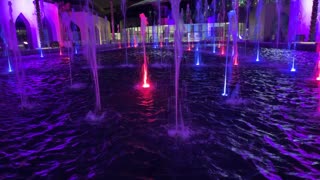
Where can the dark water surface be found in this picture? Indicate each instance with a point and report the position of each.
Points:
(267, 128)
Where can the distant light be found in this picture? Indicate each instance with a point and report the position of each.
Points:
(293, 70)
(25, 42)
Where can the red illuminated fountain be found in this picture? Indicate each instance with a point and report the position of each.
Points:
(144, 23)
(318, 63)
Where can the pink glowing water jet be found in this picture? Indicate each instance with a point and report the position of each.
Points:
(144, 23)
(145, 76)
(318, 70)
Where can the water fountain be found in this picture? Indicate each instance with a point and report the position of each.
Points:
(120, 37)
(6, 52)
(91, 56)
(180, 129)
(248, 4)
(124, 13)
(144, 23)
(16, 56)
(214, 8)
(279, 8)
(222, 31)
(188, 20)
(159, 25)
(292, 32)
(67, 26)
(257, 28)
(199, 20)
(233, 31)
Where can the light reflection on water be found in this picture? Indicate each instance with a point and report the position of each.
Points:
(275, 134)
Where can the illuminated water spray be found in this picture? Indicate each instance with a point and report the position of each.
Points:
(144, 23)
(318, 68)
(292, 30)
(293, 69)
(124, 12)
(199, 19)
(214, 6)
(233, 31)
(16, 56)
(257, 29)
(226, 70)
(278, 4)
(41, 53)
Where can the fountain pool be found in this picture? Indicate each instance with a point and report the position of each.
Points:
(269, 129)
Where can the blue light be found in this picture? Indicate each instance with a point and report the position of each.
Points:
(9, 66)
(293, 69)
(258, 59)
(41, 53)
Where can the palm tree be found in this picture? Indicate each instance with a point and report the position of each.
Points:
(313, 20)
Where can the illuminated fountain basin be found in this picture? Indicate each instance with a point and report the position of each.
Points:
(273, 132)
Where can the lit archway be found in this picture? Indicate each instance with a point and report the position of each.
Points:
(23, 31)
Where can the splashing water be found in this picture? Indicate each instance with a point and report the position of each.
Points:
(278, 4)
(199, 19)
(124, 13)
(257, 29)
(91, 57)
(247, 24)
(293, 69)
(233, 31)
(16, 56)
(180, 129)
(41, 53)
(292, 30)
(144, 23)
(214, 7)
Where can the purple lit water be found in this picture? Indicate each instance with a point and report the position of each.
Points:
(274, 133)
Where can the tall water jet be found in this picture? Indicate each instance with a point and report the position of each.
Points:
(159, 24)
(292, 30)
(222, 31)
(279, 6)
(199, 19)
(40, 25)
(6, 52)
(124, 13)
(257, 29)
(233, 31)
(68, 30)
(188, 20)
(91, 56)
(178, 52)
(16, 56)
(247, 24)
(226, 69)
(144, 23)
(214, 8)
(119, 36)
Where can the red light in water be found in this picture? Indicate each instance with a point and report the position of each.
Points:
(145, 77)
(235, 60)
(222, 50)
(318, 68)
